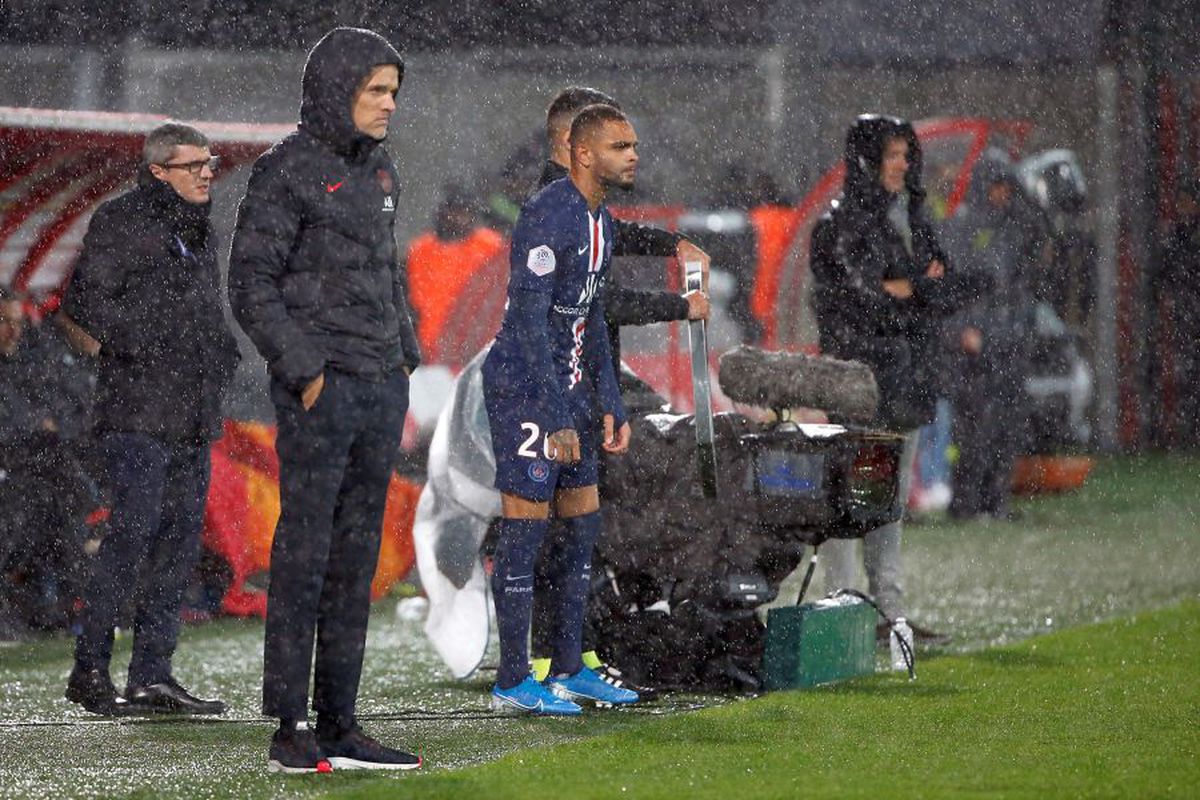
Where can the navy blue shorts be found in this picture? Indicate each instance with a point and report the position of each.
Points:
(520, 431)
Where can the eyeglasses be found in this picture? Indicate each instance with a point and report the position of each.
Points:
(196, 167)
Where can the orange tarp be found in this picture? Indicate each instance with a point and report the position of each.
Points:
(775, 227)
(243, 506)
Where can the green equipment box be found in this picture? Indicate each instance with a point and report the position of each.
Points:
(822, 642)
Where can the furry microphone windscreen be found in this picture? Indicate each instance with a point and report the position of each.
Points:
(846, 390)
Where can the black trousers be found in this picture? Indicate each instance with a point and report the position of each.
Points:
(335, 463)
(158, 489)
(990, 422)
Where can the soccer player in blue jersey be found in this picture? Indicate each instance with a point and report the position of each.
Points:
(550, 391)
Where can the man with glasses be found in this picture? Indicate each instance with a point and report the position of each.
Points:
(147, 288)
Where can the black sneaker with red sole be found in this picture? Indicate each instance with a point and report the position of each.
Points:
(350, 748)
(294, 751)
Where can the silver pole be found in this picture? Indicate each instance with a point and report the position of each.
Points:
(1108, 217)
(706, 451)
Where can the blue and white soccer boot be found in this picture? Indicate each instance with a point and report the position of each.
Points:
(587, 685)
(531, 697)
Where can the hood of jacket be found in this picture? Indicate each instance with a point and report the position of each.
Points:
(865, 142)
(993, 167)
(335, 68)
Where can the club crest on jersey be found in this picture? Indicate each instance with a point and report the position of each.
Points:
(541, 260)
(539, 471)
(388, 204)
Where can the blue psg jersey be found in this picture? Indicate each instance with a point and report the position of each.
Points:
(552, 344)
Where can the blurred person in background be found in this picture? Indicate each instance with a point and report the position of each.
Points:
(931, 481)
(1177, 288)
(49, 503)
(22, 417)
(749, 230)
(1002, 238)
(441, 263)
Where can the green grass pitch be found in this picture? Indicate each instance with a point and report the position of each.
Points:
(1073, 673)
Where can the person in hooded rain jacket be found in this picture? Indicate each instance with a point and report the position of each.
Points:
(315, 282)
(1001, 235)
(881, 286)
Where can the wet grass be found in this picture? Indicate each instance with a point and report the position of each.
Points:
(1076, 712)
(1107, 710)
(1128, 541)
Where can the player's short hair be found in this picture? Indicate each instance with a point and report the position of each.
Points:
(161, 142)
(591, 119)
(569, 102)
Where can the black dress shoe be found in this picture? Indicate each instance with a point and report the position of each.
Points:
(93, 689)
(169, 697)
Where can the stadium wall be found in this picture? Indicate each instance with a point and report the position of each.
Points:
(462, 112)
(698, 110)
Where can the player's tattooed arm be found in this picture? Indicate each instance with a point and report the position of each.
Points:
(564, 446)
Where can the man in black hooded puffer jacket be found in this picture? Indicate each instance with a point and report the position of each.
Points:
(314, 280)
(880, 287)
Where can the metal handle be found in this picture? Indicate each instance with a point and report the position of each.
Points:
(706, 451)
